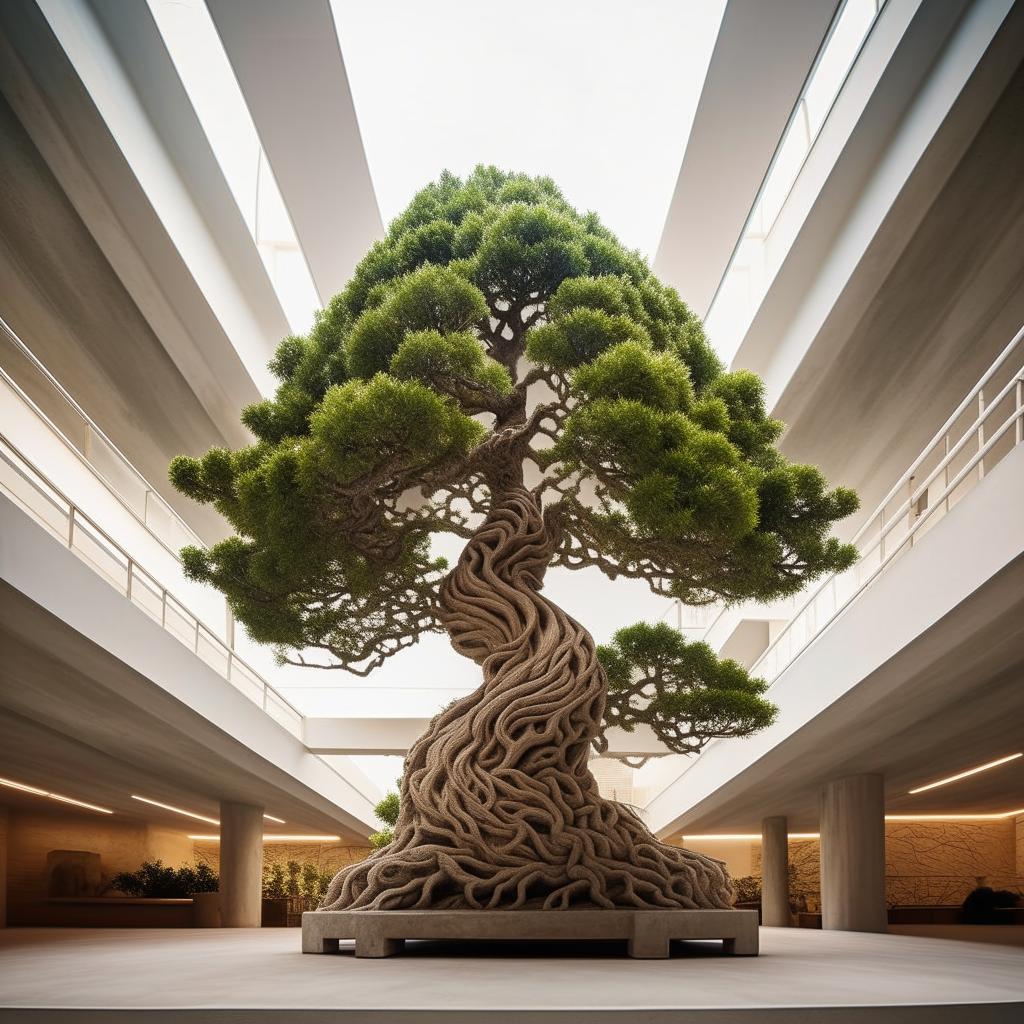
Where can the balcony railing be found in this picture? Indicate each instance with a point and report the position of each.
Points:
(52, 509)
(986, 426)
(49, 506)
(66, 418)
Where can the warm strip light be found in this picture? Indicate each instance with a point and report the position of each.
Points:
(279, 839)
(954, 817)
(36, 791)
(746, 836)
(192, 814)
(756, 837)
(969, 772)
(176, 810)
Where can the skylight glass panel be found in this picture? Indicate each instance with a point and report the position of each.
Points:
(760, 253)
(205, 71)
(598, 95)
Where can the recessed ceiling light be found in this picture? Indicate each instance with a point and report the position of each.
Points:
(193, 814)
(753, 837)
(970, 771)
(756, 837)
(36, 791)
(176, 810)
(278, 839)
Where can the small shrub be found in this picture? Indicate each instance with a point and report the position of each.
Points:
(154, 880)
(274, 883)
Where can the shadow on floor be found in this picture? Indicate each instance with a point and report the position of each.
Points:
(611, 949)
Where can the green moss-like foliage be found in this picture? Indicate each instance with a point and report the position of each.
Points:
(387, 811)
(497, 337)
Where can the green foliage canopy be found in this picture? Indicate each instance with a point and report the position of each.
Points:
(497, 338)
(681, 690)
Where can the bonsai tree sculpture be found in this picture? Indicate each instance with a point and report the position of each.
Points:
(501, 369)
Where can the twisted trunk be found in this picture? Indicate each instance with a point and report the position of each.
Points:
(498, 806)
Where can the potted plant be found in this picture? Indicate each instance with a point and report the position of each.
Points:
(155, 880)
(275, 897)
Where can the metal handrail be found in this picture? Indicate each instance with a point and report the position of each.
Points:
(908, 476)
(94, 430)
(973, 432)
(1015, 419)
(133, 570)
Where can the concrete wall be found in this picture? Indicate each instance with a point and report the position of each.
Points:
(122, 846)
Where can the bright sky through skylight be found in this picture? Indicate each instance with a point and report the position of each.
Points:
(598, 94)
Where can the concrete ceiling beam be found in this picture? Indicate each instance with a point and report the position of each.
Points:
(289, 64)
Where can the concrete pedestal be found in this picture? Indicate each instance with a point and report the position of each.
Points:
(774, 873)
(852, 816)
(241, 865)
(380, 933)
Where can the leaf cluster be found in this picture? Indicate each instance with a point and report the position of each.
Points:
(681, 690)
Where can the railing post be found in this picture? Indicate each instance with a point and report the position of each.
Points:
(911, 507)
(163, 608)
(196, 647)
(981, 433)
(1018, 427)
(71, 525)
(131, 572)
(945, 471)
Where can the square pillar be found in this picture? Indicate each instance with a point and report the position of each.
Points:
(241, 865)
(852, 815)
(774, 873)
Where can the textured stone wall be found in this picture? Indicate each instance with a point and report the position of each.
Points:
(927, 863)
(326, 856)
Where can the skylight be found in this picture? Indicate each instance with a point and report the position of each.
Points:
(598, 95)
(761, 249)
(205, 71)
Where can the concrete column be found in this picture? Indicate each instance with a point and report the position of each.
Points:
(774, 873)
(852, 815)
(241, 865)
(4, 825)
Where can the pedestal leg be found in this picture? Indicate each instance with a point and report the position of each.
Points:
(377, 946)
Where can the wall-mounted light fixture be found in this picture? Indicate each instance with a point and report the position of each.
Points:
(36, 791)
(970, 771)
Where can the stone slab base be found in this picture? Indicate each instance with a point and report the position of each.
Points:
(379, 933)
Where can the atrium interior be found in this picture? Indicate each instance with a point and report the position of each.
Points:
(835, 189)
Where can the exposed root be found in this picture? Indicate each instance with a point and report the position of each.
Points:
(499, 808)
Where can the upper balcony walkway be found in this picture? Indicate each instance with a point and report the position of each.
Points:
(130, 597)
(859, 643)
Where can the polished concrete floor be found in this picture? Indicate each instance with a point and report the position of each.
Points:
(229, 977)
